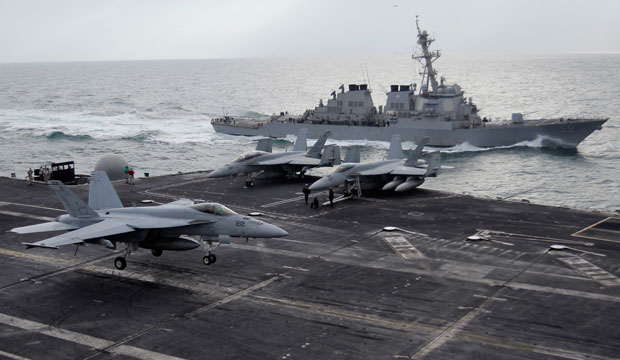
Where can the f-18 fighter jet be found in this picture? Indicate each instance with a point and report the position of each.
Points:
(262, 163)
(179, 225)
(395, 173)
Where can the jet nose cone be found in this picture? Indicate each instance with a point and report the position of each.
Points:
(320, 184)
(221, 172)
(272, 231)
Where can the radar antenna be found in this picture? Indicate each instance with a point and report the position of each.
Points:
(429, 75)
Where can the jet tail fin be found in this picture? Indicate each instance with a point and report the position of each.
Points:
(416, 153)
(301, 141)
(434, 164)
(331, 156)
(75, 206)
(101, 195)
(395, 151)
(315, 151)
(352, 155)
(265, 145)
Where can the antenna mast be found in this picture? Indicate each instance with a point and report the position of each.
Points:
(427, 58)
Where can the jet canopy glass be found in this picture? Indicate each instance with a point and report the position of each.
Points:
(249, 155)
(213, 208)
(343, 168)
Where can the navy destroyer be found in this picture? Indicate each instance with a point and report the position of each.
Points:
(435, 110)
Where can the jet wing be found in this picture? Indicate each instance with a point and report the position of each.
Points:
(101, 229)
(305, 161)
(280, 160)
(408, 171)
(378, 170)
(48, 226)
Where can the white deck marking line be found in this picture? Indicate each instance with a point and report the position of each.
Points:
(4, 203)
(298, 198)
(23, 215)
(596, 273)
(12, 356)
(82, 339)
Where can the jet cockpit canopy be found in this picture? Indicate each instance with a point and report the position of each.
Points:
(249, 155)
(213, 208)
(343, 168)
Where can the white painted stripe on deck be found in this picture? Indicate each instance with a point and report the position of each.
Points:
(298, 198)
(24, 215)
(82, 339)
(12, 356)
(4, 203)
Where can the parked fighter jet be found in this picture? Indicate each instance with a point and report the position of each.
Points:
(173, 226)
(395, 173)
(261, 163)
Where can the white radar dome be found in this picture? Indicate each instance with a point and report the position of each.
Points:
(113, 165)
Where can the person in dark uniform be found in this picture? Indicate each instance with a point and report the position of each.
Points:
(315, 203)
(306, 192)
(331, 197)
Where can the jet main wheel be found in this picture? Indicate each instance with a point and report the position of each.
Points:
(157, 252)
(209, 259)
(251, 183)
(120, 263)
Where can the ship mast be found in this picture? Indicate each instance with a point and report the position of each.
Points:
(427, 58)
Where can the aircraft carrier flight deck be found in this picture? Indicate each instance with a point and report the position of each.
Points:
(427, 275)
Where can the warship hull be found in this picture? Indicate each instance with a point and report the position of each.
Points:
(563, 133)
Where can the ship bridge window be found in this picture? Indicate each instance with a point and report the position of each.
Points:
(249, 155)
(213, 208)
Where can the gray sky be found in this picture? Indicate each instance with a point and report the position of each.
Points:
(77, 30)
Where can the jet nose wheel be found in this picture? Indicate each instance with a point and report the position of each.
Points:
(157, 252)
(120, 263)
(209, 259)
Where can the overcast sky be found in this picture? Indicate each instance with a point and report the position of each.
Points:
(78, 30)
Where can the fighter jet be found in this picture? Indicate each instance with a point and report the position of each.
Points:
(262, 163)
(179, 225)
(395, 173)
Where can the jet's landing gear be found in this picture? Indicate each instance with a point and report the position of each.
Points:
(209, 259)
(121, 262)
(249, 180)
(157, 252)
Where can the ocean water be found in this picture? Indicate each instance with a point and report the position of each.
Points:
(157, 115)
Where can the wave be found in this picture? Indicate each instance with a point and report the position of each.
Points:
(143, 136)
(59, 135)
(539, 142)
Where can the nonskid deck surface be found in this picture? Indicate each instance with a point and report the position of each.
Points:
(339, 286)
